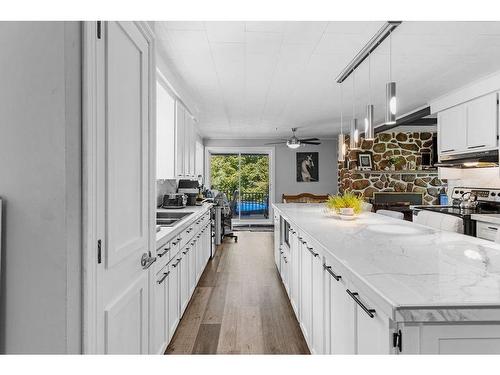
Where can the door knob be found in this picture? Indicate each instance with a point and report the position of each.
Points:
(147, 261)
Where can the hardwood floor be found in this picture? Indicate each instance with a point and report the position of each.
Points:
(240, 305)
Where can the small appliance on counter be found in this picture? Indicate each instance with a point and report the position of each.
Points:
(174, 201)
(191, 189)
(467, 201)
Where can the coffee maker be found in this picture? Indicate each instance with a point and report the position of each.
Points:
(190, 188)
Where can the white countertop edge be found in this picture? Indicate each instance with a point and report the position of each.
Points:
(487, 218)
(167, 233)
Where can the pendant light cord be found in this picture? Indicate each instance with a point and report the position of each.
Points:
(353, 94)
(341, 115)
(390, 56)
(370, 78)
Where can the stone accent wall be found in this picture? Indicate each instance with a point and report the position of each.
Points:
(404, 147)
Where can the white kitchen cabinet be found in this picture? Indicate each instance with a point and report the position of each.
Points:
(199, 157)
(318, 324)
(374, 335)
(306, 286)
(188, 137)
(482, 129)
(192, 265)
(339, 310)
(184, 280)
(451, 339)
(295, 249)
(161, 310)
(165, 133)
(469, 127)
(452, 130)
(179, 139)
(174, 296)
(277, 240)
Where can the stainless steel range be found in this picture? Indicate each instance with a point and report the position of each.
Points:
(467, 201)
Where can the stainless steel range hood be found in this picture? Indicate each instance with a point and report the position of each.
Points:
(483, 159)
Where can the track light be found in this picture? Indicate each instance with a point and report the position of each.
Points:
(369, 127)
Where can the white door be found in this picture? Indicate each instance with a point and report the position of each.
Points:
(452, 131)
(123, 189)
(482, 124)
(184, 280)
(295, 249)
(192, 264)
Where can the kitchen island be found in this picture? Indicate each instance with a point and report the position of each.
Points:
(382, 285)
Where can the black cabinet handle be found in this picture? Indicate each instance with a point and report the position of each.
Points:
(329, 270)
(492, 228)
(164, 277)
(449, 150)
(470, 147)
(164, 252)
(312, 252)
(354, 295)
(177, 263)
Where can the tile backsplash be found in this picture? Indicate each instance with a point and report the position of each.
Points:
(164, 187)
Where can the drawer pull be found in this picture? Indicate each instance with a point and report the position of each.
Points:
(493, 228)
(300, 239)
(175, 243)
(449, 150)
(164, 252)
(163, 277)
(176, 263)
(329, 270)
(312, 252)
(354, 295)
(470, 147)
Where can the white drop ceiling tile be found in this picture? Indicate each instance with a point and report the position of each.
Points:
(188, 40)
(358, 27)
(348, 44)
(183, 25)
(225, 31)
(263, 43)
(265, 26)
(304, 32)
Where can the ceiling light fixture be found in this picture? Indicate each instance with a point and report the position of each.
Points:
(390, 92)
(354, 136)
(341, 144)
(369, 128)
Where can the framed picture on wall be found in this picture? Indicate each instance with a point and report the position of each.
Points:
(307, 166)
(365, 161)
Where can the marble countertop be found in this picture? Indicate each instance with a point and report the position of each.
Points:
(166, 233)
(406, 264)
(488, 218)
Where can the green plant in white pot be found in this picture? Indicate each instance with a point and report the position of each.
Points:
(347, 204)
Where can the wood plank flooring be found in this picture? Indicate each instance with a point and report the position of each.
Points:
(240, 305)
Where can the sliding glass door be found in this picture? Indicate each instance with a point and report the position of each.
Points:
(245, 179)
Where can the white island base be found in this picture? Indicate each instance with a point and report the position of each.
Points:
(379, 285)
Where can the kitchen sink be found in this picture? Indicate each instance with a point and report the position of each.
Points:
(169, 219)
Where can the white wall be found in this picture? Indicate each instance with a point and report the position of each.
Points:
(285, 165)
(474, 177)
(40, 159)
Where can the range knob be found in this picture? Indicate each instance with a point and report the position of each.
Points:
(492, 194)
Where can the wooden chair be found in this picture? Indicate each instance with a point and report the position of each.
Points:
(304, 198)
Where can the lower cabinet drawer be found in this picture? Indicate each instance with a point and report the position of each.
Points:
(487, 231)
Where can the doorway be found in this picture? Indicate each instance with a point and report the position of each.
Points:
(245, 175)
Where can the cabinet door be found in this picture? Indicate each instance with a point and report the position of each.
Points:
(277, 239)
(161, 321)
(318, 326)
(192, 266)
(165, 133)
(482, 123)
(373, 331)
(173, 296)
(192, 149)
(184, 281)
(452, 130)
(340, 313)
(179, 139)
(188, 126)
(295, 248)
(306, 293)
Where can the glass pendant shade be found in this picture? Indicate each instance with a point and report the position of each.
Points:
(390, 101)
(341, 147)
(369, 129)
(354, 136)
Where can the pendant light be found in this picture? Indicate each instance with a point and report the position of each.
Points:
(354, 136)
(369, 129)
(341, 145)
(390, 92)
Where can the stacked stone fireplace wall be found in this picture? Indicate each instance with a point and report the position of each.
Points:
(403, 148)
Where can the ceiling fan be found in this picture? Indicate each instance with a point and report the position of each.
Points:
(295, 142)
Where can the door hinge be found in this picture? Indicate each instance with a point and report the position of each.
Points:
(99, 26)
(397, 340)
(99, 258)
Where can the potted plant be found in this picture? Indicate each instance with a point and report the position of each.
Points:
(347, 205)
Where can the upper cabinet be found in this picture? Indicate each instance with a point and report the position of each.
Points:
(185, 143)
(165, 133)
(470, 126)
